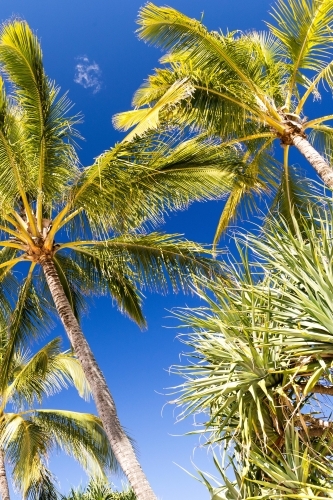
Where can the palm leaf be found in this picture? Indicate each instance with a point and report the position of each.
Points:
(304, 27)
(149, 118)
(31, 317)
(44, 374)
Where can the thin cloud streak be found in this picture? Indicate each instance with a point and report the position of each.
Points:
(88, 74)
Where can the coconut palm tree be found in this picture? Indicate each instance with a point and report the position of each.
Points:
(28, 433)
(99, 490)
(260, 366)
(249, 88)
(73, 231)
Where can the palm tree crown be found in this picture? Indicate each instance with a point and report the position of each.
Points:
(248, 88)
(28, 433)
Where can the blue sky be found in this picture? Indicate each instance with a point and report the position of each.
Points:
(90, 49)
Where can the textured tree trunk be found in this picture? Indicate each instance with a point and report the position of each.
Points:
(323, 169)
(4, 489)
(120, 444)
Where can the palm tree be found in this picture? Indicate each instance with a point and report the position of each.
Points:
(94, 213)
(99, 490)
(260, 366)
(28, 434)
(247, 88)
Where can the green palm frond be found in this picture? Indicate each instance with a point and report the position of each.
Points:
(141, 180)
(220, 102)
(44, 374)
(28, 437)
(52, 160)
(258, 177)
(147, 258)
(304, 27)
(86, 274)
(80, 435)
(292, 199)
(23, 442)
(169, 28)
(31, 317)
(43, 485)
(149, 118)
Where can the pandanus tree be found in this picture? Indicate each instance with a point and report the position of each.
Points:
(248, 88)
(74, 232)
(29, 433)
(259, 368)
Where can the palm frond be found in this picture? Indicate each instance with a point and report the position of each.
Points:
(293, 197)
(80, 435)
(139, 181)
(149, 118)
(305, 29)
(51, 158)
(151, 260)
(174, 31)
(44, 374)
(258, 177)
(31, 317)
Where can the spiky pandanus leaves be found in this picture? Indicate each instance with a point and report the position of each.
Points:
(262, 358)
(28, 435)
(242, 85)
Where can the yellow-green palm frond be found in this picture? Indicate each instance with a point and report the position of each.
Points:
(80, 435)
(149, 118)
(31, 316)
(23, 442)
(259, 177)
(43, 374)
(305, 29)
(51, 159)
(174, 31)
(127, 264)
(139, 181)
(293, 197)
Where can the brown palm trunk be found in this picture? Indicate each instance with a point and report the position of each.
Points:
(119, 442)
(323, 169)
(4, 488)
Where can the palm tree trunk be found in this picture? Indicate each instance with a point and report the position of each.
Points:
(4, 488)
(119, 442)
(323, 169)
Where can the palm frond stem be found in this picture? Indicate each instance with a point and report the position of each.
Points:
(311, 123)
(14, 233)
(11, 244)
(39, 207)
(11, 263)
(70, 217)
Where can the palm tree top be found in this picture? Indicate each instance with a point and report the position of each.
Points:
(250, 88)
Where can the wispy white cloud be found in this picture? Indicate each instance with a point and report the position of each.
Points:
(88, 74)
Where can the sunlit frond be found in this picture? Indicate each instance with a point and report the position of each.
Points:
(138, 181)
(44, 374)
(305, 29)
(149, 118)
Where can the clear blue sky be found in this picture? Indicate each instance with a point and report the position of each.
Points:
(98, 36)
